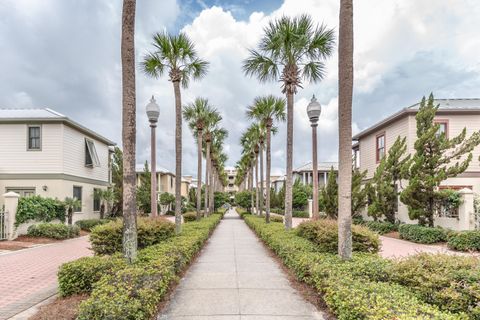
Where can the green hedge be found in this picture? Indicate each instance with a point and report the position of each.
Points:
(39, 209)
(107, 238)
(420, 234)
(358, 289)
(189, 216)
(464, 240)
(57, 231)
(324, 233)
(295, 213)
(381, 227)
(89, 224)
(119, 291)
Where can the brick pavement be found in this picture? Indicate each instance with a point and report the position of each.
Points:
(29, 276)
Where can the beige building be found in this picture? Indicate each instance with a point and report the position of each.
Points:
(231, 187)
(453, 115)
(165, 180)
(43, 152)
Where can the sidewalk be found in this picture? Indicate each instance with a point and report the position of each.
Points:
(235, 278)
(29, 276)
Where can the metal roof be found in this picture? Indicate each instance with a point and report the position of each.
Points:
(139, 168)
(446, 106)
(322, 166)
(47, 115)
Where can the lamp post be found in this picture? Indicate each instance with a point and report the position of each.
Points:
(153, 111)
(313, 110)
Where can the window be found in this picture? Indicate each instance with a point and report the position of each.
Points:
(171, 182)
(34, 138)
(23, 192)
(96, 200)
(443, 127)
(356, 157)
(380, 146)
(91, 157)
(77, 194)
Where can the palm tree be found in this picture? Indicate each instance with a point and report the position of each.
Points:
(290, 50)
(218, 135)
(177, 55)
(70, 205)
(267, 110)
(250, 142)
(345, 89)
(198, 114)
(129, 131)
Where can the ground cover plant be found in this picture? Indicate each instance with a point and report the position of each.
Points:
(57, 231)
(421, 234)
(370, 287)
(121, 291)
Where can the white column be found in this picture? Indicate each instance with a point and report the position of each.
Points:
(466, 218)
(325, 178)
(11, 204)
(310, 207)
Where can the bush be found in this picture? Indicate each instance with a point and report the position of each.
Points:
(243, 199)
(107, 238)
(464, 240)
(450, 282)
(300, 214)
(355, 289)
(324, 233)
(420, 234)
(39, 209)
(134, 291)
(189, 216)
(89, 224)
(381, 227)
(58, 231)
(276, 219)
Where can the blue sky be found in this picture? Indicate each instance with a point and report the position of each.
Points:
(66, 55)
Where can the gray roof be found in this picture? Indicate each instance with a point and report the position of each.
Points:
(139, 168)
(446, 106)
(322, 166)
(46, 115)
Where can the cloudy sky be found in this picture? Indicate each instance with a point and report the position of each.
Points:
(65, 55)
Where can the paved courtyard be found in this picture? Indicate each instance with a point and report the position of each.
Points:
(235, 278)
(29, 276)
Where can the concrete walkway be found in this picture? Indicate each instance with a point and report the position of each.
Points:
(235, 278)
(29, 276)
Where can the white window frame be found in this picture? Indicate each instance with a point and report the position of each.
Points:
(92, 151)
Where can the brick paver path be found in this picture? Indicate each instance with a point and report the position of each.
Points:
(29, 276)
(235, 278)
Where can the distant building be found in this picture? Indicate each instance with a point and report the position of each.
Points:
(305, 175)
(43, 152)
(231, 175)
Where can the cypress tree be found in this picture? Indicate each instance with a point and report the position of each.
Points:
(359, 192)
(436, 158)
(328, 201)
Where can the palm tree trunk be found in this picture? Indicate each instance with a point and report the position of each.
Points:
(288, 180)
(261, 178)
(178, 157)
(345, 88)
(257, 208)
(207, 174)
(212, 189)
(129, 131)
(250, 181)
(199, 174)
(267, 175)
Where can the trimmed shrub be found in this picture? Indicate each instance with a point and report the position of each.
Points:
(189, 216)
(381, 227)
(57, 231)
(79, 276)
(89, 224)
(107, 238)
(133, 292)
(464, 240)
(324, 233)
(300, 214)
(40, 209)
(276, 219)
(421, 234)
(450, 282)
(355, 289)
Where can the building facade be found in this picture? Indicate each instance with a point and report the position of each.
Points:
(231, 187)
(43, 152)
(453, 115)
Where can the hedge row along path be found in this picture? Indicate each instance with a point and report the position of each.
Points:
(235, 278)
(29, 276)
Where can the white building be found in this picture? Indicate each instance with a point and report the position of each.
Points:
(305, 174)
(43, 152)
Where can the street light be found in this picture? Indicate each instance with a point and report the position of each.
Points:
(153, 112)
(313, 110)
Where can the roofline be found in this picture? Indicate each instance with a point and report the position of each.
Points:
(408, 111)
(61, 119)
